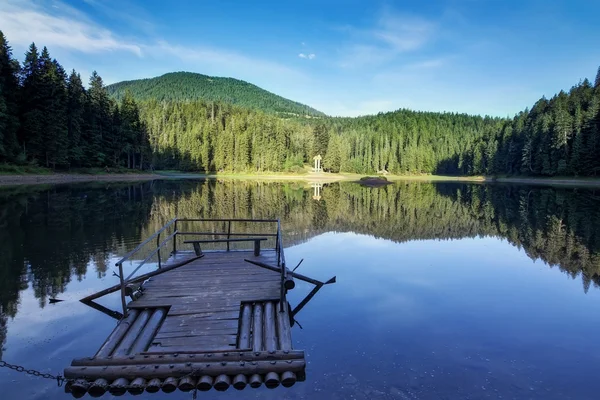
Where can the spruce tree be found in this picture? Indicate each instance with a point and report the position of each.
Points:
(76, 103)
(9, 117)
(597, 81)
(98, 118)
(32, 123)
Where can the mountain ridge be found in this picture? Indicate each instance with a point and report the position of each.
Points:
(184, 85)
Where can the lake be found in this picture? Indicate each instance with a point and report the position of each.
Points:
(444, 291)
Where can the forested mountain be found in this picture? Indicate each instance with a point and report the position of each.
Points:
(183, 86)
(48, 118)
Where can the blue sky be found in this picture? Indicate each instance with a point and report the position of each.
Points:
(342, 57)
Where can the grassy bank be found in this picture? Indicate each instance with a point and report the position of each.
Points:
(37, 175)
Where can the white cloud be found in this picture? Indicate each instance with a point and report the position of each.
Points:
(403, 33)
(310, 56)
(58, 26)
(226, 60)
(393, 34)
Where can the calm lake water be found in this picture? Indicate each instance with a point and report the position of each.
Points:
(444, 291)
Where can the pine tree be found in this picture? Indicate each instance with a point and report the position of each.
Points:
(597, 81)
(31, 132)
(9, 119)
(97, 132)
(56, 133)
(76, 104)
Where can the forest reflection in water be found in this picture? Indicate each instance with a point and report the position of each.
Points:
(52, 236)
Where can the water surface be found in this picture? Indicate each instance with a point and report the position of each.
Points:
(444, 291)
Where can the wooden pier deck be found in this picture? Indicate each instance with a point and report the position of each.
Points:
(205, 301)
(206, 319)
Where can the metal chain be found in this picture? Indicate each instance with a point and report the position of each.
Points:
(58, 378)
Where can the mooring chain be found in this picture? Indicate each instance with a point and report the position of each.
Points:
(58, 378)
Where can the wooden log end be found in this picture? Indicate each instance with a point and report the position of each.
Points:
(79, 388)
(272, 380)
(288, 379)
(222, 383)
(98, 387)
(187, 384)
(137, 386)
(240, 381)
(118, 387)
(169, 385)
(154, 385)
(255, 381)
(205, 383)
(289, 284)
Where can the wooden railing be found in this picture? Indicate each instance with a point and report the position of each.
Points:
(172, 237)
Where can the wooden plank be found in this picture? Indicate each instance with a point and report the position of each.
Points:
(171, 358)
(284, 328)
(269, 326)
(179, 370)
(245, 323)
(124, 347)
(257, 327)
(158, 350)
(195, 333)
(149, 331)
(116, 335)
(184, 340)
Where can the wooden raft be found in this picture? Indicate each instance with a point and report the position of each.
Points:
(215, 322)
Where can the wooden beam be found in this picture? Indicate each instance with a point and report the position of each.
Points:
(183, 369)
(140, 278)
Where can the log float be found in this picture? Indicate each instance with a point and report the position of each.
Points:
(146, 353)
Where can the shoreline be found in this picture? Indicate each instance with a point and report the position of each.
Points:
(65, 178)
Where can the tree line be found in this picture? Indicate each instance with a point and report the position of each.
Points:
(48, 118)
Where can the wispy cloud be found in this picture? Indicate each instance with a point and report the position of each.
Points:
(309, 56)
(391, 35)
(60, 26)
(224, 59)
(124, 11)
(57, 25)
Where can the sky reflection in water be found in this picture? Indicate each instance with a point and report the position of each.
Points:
(423, 319)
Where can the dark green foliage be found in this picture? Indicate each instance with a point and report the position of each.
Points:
(49, 119)
(76, 103)
(9, 120)
(183, 86)
(194, 122)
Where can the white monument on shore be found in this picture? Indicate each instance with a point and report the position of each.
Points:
(317, 159)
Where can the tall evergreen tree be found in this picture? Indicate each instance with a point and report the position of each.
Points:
(9, 117)
(98, 118)
(31, 112)
(76, 105)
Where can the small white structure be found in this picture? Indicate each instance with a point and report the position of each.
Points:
(318, 159)
(317, 186)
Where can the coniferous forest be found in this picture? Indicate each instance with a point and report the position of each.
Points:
(48, 118)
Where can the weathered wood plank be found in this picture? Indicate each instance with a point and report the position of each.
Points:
(257, 328)
(180, 370)
(125, 345)
(245, 324)
(269, 326)
(171, 358)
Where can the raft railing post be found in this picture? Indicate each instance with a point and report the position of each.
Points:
(175, 237)
(122, 281)
(281, 265)
(228, 233)
(158, 250)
